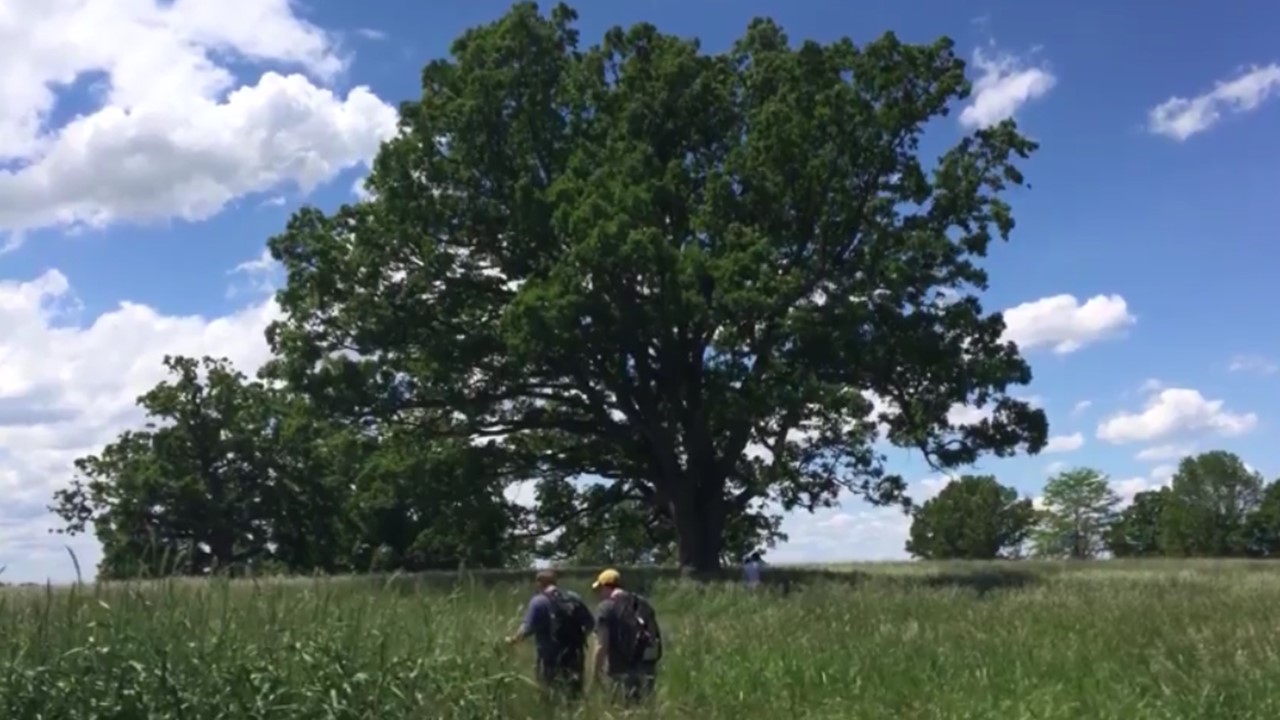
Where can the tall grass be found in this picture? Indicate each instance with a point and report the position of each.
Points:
(1120, 640)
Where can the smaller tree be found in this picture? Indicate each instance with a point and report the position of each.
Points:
(1214, 494)
(1136, 532)
(1079, 507)
(973, 518)
(1263, 525)
(187, 493)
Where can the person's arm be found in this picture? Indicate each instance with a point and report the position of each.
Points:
(603, 624)
(530, 622)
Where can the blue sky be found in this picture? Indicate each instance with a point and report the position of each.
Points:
(148, 151)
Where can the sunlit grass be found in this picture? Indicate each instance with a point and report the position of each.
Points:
(1114, 640)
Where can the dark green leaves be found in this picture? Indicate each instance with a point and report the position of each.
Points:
(973, 518)
(638, 262)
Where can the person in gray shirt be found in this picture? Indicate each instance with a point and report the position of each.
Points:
(628, 639)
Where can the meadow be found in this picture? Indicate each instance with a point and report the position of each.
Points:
(1132, 640)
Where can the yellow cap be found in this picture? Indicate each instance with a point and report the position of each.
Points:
(607, 578)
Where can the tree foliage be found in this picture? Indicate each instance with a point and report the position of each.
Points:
(228, 473)
(192, 488)
(1213, 495)
(624, 265)
(1079, 507)
(1263, 525)
(1136, 531)
(972, 518)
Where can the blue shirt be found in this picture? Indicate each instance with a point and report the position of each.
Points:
(537, 621)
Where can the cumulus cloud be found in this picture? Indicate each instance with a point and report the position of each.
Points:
(259, 276)
(1171, 411)
(67, 388)
(1180, 118)
(853, 530)
(1159, 477)
(1062, 323)
(1006, 83)
(1080, 407)
(1151, 385)
(173, 133)
(1064, 443)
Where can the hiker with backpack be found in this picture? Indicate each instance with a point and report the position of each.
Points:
(560, 624)
(628, 639)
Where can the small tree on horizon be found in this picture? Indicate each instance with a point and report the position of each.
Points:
(1079, 507)
(973, 518)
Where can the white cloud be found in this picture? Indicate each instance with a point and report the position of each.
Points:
(1055, 467)
(1064, 443)
(1253, 364)
(1151, 385)
(66, 389)
(1160, 453)
(1005, 85)
(1179, 118)
(1062, 323)
(522, 493)
(359, 190)
(1080, 407)
(960, 415)
(175, 135)
(261, 275)
(1127, 488)
(853, 530)
(1171, 411)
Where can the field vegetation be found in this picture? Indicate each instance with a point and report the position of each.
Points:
(1122, 639)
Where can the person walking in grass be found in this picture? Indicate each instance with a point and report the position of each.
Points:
(560, 623)
(628, 640)
(752, 566)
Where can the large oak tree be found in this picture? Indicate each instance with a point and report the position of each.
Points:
(681, 276)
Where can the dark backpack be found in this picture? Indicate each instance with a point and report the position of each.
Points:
(568, 624)
(640, 630)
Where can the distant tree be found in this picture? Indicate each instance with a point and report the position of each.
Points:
(1136, 532)
(1263, 525)
(189, 491)
(1213, 495)
(973, 518)
(634, 261)
(228, 473)
(1079, 507)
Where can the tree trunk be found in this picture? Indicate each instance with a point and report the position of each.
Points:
(222, 547)
(699, 512)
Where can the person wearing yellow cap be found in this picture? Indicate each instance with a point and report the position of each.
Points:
(628, 639)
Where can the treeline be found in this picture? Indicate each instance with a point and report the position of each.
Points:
(1214, 506)
(234, 475)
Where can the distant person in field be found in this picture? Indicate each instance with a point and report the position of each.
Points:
(628, 640)
(560, 624)
(752, 566)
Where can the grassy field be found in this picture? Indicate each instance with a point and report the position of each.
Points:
(1113, 640)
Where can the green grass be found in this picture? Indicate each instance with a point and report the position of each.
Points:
(1113, 640)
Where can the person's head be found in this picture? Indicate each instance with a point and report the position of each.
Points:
(607, 581)
(545, 579)
(755, 556)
